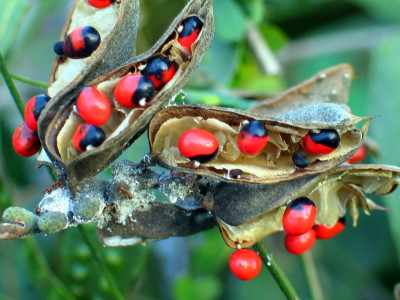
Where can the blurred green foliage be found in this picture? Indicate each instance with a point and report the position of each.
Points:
(305, 36)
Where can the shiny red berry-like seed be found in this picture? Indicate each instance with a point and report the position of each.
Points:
(324, 232)
(299, 216)
(160, 70)
(87, 135)
(134, 90)
(100, 3)
(81, 42)
(33, 109)
(323, 142)
(25, 141)
(93, 106)
(245, 264)
(189, 32)
(199, 145)
(298, 244)
(252, 138)
(359, 156)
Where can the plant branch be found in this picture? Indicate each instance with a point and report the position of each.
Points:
(311, 275)
(276, 271)
(29, 81)
(11, 87)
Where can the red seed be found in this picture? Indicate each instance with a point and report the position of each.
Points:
(93, 106)
(299, 216)
(359, 156)
(324, 232)
(199, 145)
(298, 244)
(252, 138)
(245, 264)
(323, 142)
(25, 141)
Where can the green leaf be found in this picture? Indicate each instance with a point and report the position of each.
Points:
(230, 21)
(202, 288)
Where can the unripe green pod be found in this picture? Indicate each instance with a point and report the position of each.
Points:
(22, 216)
(52, 222)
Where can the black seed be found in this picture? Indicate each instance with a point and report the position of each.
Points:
(94, 137)
(256, 128)
(145, 89)
(190, 24)
(235, 173)
(40, 103)
(58, 48)
(300, 160)
(326, 137)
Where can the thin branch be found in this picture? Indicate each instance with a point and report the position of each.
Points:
(29, 81)
(276, 271)
(311, 275)
(11, 87)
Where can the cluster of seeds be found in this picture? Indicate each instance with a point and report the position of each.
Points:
(299, 225)
(133, 91)
(25, 139)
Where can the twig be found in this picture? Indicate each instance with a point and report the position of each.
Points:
(279, 276)
(311, 275)
(96, 256)
(11, 87)
(29, 81)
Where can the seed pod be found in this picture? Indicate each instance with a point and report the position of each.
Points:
(125, 123)
(246, 220)
(23, 217)
(327, 86)
(274, 163)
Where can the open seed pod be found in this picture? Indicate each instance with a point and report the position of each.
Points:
(117, 26)
(248, 213)
(274, 163)
(127, 121)
(329, 85)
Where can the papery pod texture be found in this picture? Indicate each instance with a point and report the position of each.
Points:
(125, 124)
(248, 213)
(331, 85)
(274, 163)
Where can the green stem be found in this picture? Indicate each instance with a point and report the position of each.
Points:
(11, 87)
(96, 256)
(29, 81)
(275, 270)
(311, 275)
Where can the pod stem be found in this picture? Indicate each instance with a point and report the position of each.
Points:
(11, 87)
(314, 285)
(276, 271)
(29, 81)
(102, 265)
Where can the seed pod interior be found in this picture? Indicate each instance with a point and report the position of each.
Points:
(274, 162)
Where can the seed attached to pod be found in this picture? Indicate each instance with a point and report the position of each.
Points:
(245, 264)
(300, 160)
(100, 3)
(323, 142)
(25, 141)
(359, 156)
(87, 135)
(189, 31)
(80, 43)
(324, 232)
(33, 109)
(298, 244)
(160, 70)
(299, 216)
(134, 90)
(198, 145)
(93, 106)
(252, 138)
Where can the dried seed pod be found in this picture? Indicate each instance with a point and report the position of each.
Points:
(125, 123)
(274, 163)
(330, 85)
(247, 220)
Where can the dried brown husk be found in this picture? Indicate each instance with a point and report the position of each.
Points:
(274, 163)
(249, 213)
(330, 85)
(125, 124)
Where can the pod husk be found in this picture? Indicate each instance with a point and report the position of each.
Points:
(126, 124)
(274, 163)
(248, 213)
(330, 85)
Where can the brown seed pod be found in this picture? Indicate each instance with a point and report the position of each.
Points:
(330, 85)
(274, 163)
(247, 213)
(125, 123)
